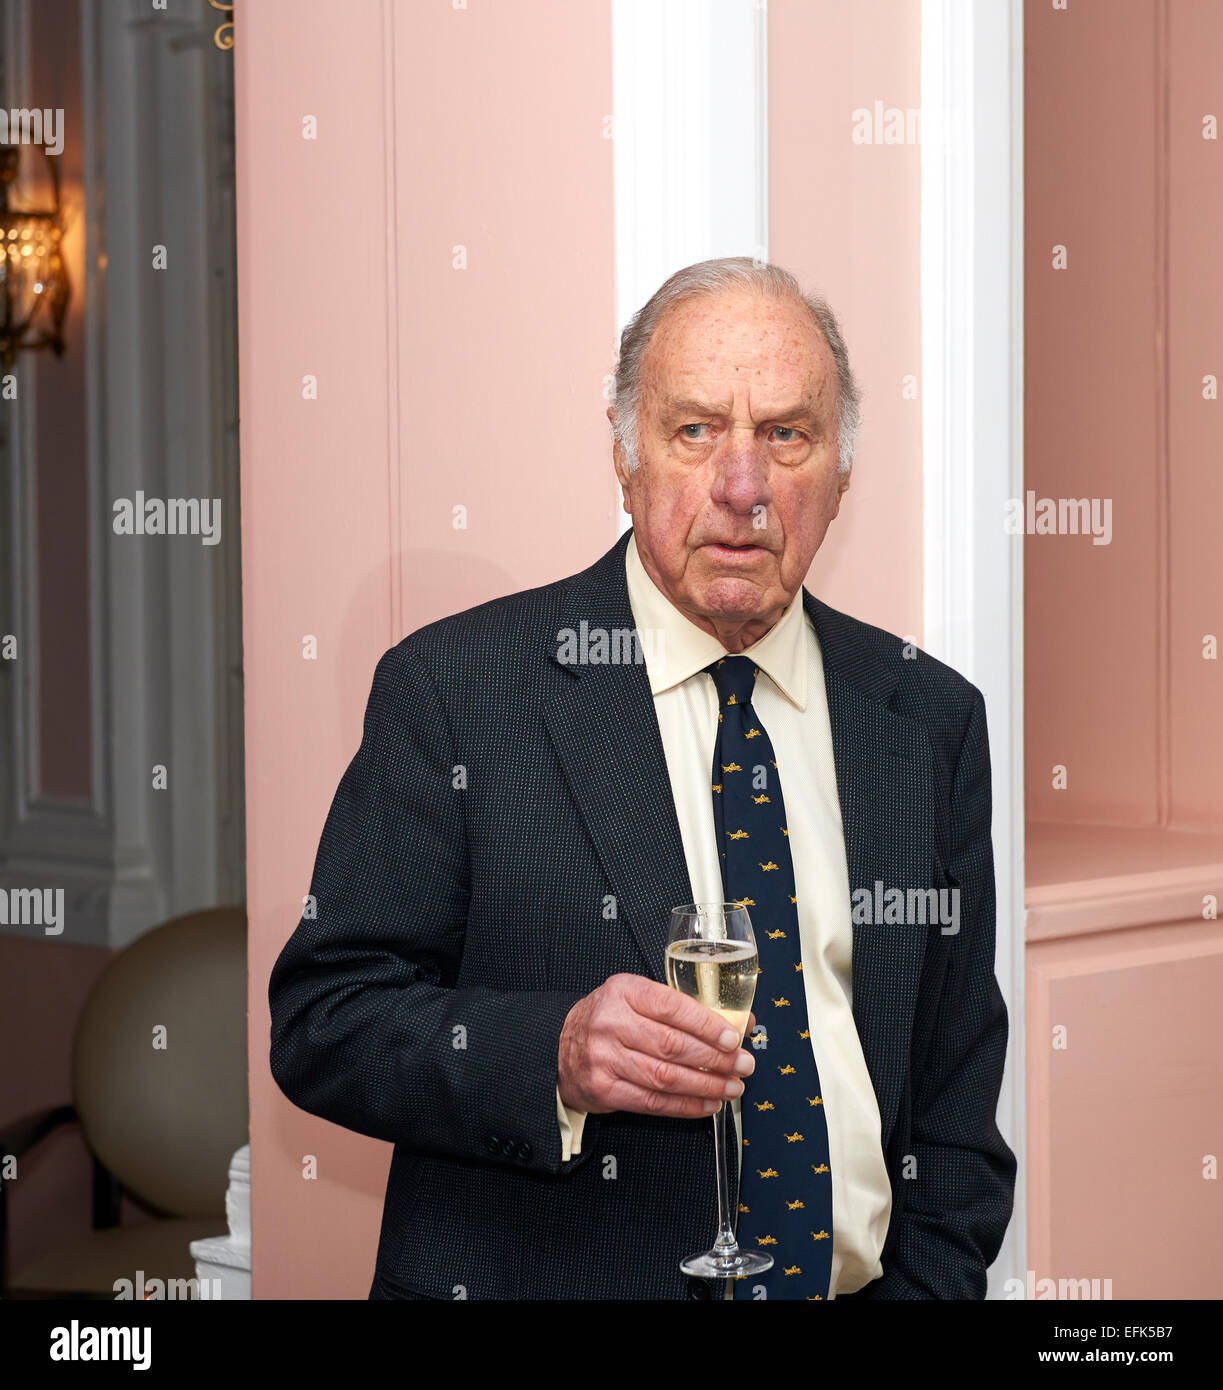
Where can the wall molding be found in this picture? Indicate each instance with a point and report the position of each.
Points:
(972, 443)
(1053, 963)
(397, 483)
(52, 842)
(1162, 275)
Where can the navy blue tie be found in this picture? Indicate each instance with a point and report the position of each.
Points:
(785, 1194)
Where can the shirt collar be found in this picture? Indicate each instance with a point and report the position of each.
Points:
(676, 649)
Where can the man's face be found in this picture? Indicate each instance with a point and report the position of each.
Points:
(738, 472)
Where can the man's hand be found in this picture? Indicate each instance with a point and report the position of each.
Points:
(635, 1044)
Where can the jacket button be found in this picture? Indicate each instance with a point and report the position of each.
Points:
(697, 1288)
(493, 1143)
(509, 1148)
(524, 1150)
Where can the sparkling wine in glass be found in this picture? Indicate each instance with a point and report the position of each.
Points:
(711, 956)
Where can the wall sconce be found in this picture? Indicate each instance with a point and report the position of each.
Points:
(34, 285)
(224, 35)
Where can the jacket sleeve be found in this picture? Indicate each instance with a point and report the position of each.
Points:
(368, 1027)
(960, 1195)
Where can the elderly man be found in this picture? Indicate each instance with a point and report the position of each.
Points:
(483, 982)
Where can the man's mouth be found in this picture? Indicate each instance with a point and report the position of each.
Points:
(735, 547)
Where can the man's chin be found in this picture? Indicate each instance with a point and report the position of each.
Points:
(732, 599)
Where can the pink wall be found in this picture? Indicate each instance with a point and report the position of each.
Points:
(43, 987)
(437, 388)
(1117, 347)
(1123, 1104)
(1194, 690)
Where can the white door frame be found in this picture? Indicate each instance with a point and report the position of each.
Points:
(972, 445)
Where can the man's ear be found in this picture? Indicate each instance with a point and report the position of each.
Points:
(842, 487)
(618, 455)
(624, 477)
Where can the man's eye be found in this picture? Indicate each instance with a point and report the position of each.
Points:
(693, 427)
(787, 430)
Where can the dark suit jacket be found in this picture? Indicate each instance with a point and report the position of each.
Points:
(500, 807)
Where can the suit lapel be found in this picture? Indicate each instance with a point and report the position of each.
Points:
(884, 771)
(605, 732)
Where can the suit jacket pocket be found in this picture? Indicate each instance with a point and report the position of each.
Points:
(453, 1228)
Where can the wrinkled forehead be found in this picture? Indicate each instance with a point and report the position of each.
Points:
(704, 349)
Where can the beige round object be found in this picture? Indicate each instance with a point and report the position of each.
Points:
(165, 1112)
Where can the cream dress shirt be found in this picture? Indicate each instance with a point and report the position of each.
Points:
(790, 699)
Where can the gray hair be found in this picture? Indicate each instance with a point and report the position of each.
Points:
(712, 277)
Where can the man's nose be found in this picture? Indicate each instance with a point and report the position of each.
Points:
(741, 472)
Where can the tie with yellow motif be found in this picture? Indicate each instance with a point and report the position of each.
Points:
(785, 1193)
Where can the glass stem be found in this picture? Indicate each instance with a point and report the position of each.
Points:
(726, 1244)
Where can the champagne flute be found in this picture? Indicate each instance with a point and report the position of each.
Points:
(711, 956)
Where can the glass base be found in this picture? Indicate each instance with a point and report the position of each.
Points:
(724, 1264)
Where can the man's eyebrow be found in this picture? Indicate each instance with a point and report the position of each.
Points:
(686, 405)
(805, 411)
(690, 406)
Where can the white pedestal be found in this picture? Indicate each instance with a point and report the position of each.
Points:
(224, 1262)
